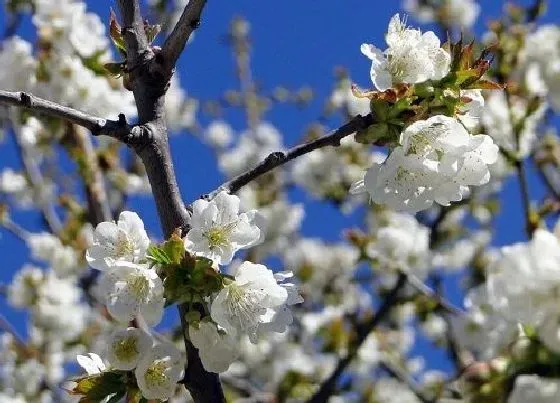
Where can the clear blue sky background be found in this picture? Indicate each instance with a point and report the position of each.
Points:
(296, 43)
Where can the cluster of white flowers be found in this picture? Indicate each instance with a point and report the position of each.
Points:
(256, 300)
(455, 13)
(497, 118)
(437, 160)
(541, 56)
(131, 288)
(253, 302)
(523, 284)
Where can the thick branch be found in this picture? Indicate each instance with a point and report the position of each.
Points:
(278, 158)
(363, 331)
(118, 129)
(188, 22)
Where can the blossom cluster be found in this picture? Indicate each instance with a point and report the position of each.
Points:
(253, 302)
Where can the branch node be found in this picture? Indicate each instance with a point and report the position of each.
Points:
(26, 99)
(195, 23)
(275, 157)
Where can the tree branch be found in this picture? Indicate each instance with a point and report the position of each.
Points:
(279, 158)
(328, 386)
(149, 78)
(118, 129)
(188, 22)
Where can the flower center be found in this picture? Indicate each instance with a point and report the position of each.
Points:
(244, 305)
(139, 286)
(155, 375)
(126, 349)
(219, 236)
(123, 247)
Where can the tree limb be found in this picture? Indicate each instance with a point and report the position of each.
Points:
(279, 158)
(149, 79)
(118, 129)
(188, 22)
(327, 388)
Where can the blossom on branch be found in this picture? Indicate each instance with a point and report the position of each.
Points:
(412, 57)
(219, 229)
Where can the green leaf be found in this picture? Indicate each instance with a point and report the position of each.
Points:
(174, 248)
(95, 388)
(94, 63)
(158, 255)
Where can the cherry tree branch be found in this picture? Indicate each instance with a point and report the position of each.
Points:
(328, 387)
(188, 22)
(149, 79)
(279, 158)
(118, 129)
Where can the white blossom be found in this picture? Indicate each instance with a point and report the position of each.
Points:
(131, 290)
(180, 110)
(401, 243)
(460, 13)
(541, 56)
(497, 121)
(159, 370)
(412, 57)
(12, 182)
(48, 247)
(250, 300)
(92, 364)
(343, 97)
(125, 240)
(524, 281)
(218, 230)
(219, 134)
(126, 347)
(532, 388)
(253, 147)
(17, 52)
(217, 349)
(437, 161)
(23, 289)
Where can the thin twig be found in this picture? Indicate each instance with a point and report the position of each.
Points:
(188, 22)
(328, 386)
(525, 197)
(279, 158)
(35, 176)
(15, 229)
(7, 327)
(401, 375)
(98, 202)
(419, 285)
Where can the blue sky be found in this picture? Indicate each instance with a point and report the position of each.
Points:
(295, 43)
